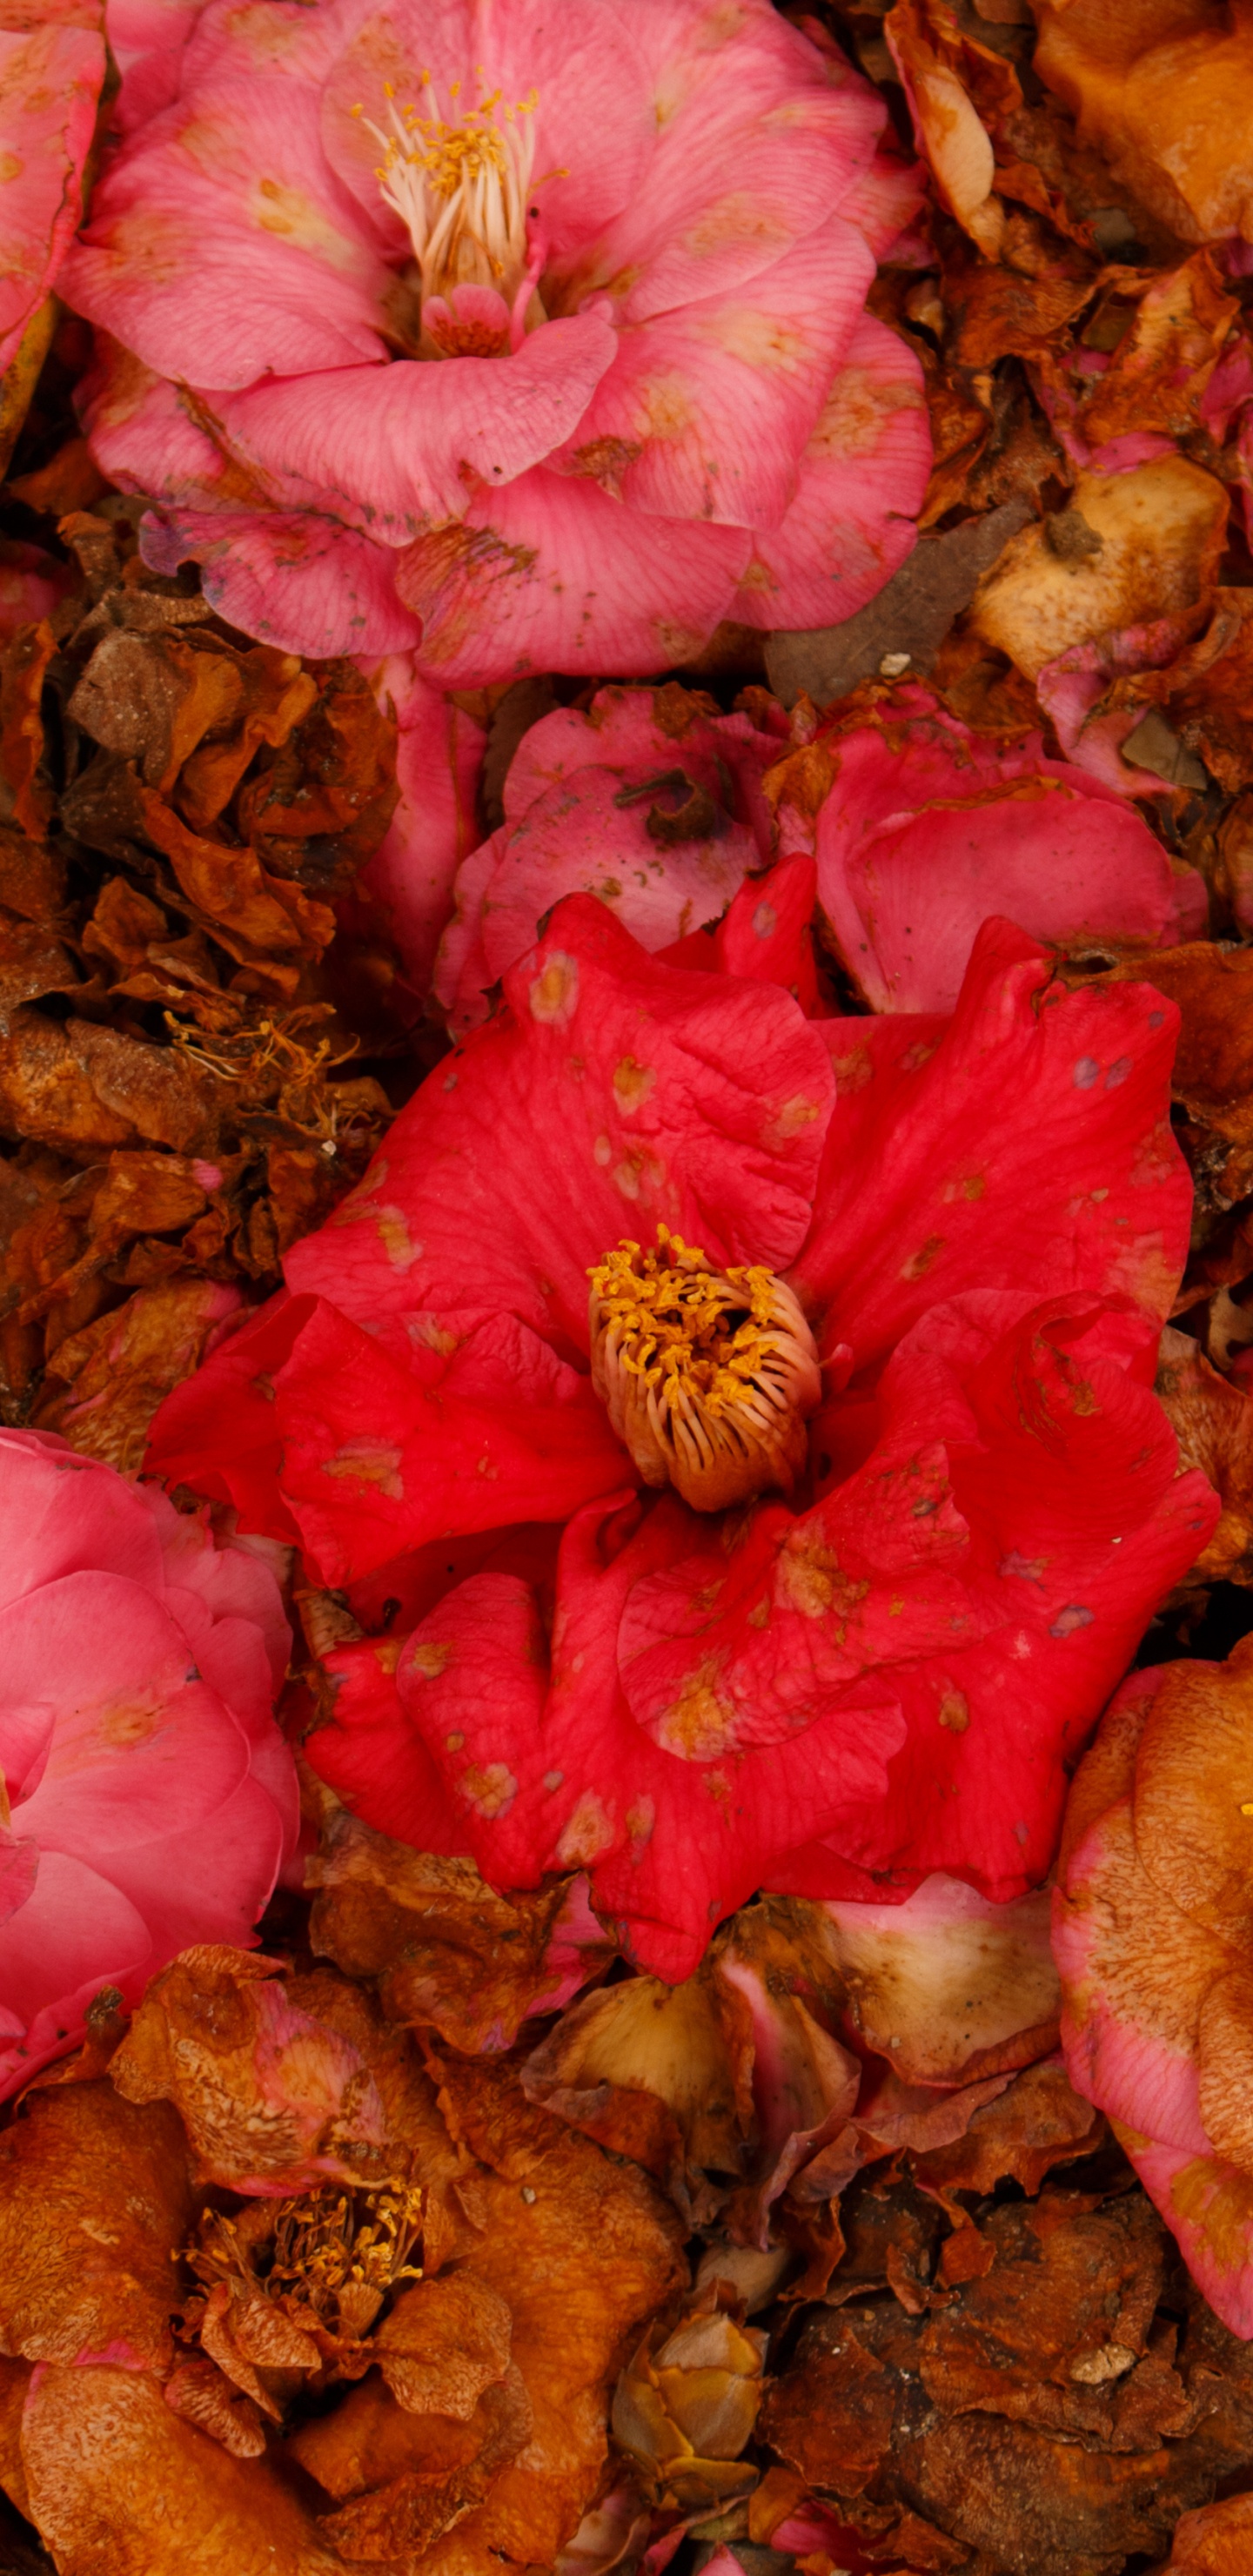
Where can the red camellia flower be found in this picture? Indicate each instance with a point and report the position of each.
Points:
(739, 1427)
(149, 1799)
(534, 338)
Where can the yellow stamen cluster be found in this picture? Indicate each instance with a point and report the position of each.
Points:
(459, 183)
(675, 1317)
(707, 1375)
(337, 2251)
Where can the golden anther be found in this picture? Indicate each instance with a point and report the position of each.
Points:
(708, 1376)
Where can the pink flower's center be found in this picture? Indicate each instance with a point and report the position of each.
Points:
(708, 1376)
(460, 184)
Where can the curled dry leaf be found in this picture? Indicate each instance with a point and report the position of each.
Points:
(1165, 99)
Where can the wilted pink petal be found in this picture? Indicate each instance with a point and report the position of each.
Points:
(409, 882)
(301, 583)
(928, 829)
(52, 64)
(860, 485)
(153, 1800)
(948, 1986)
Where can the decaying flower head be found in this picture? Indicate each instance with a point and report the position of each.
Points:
(528, 342)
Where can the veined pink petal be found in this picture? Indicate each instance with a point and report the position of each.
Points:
(635, 733)
(922, 1197)
(617, 1093)
(76, 1933)
(225, 247)
(50, 79)
(460, 981)
(707, 409)
(439, 755)
(294, 580)
(391, 449)
(550, 574)
(147, 39)
(728, 193)
(860, 485)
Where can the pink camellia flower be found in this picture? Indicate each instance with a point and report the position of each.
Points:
(52, 63)
(1153, 1936)
(740, 1427)
(650, 801)
(928, 828)
(534, 337)
(149, 1797)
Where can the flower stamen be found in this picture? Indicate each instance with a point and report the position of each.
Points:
(708, 1376)
(459, 183)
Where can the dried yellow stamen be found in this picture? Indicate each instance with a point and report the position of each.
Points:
(708, 1375)
(459, 183)
(336, 2250)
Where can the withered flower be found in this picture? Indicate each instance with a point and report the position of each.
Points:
(685, 2407)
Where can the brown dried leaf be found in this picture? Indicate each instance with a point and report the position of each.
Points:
(94, 2201)
(1212, 1420)
(912, 614)
(81, 1089)
(1163, 94)
(152, 698)
(1218, 2541)
(22, 671)
(1037, 2123)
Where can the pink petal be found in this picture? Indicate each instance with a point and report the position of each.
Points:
(147, 39)
(637, 732)
(1024, 1143)
(221, 246)
(549, 574)
(861, 482)
(212, 1880)
(706, 411)
(302, 583)
(581, 839)
(141, 1747)
(614, 1094)
(928, 830)
(149, 435)
(390, 449)
(461, 979)
(75, 1934)
(759, 139)
(61, 1514)
(50, 79)
(948, 1986)
(409, 881)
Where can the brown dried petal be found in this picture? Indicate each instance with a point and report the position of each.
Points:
(120, 2485)
(443, 2343)
(94, 2201)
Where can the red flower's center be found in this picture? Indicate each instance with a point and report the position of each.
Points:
(460, 185)
(708, 1376)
